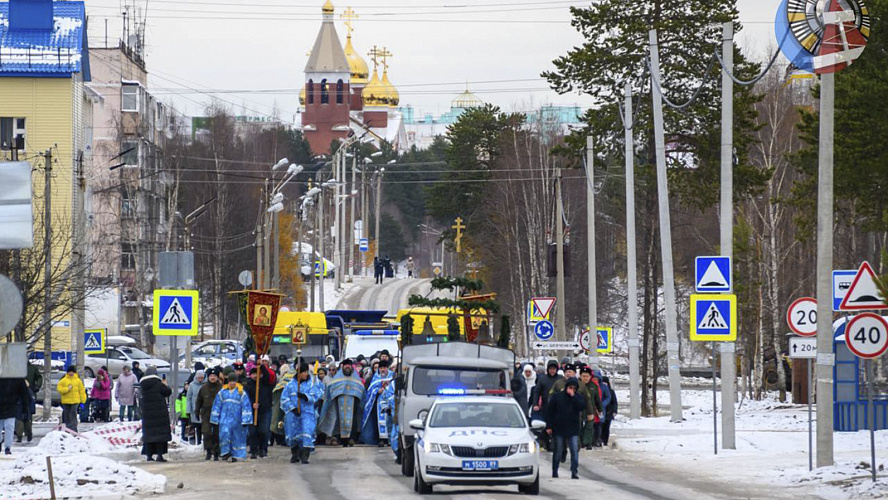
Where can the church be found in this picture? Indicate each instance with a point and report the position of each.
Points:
(340, 95)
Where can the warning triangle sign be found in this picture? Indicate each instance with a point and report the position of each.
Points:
(713, 277)
(175, 314)
(92, 342)
(544, 305)
(863, 293)
(713, 319)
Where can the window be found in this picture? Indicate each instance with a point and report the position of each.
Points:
(506, 415)
(325, 97)
(206, 351)
(433, 380)
(12, 133)
(127, 203)
(127, 256)
(129, 97)
(130, 153)
(339, 88)
(310, 91)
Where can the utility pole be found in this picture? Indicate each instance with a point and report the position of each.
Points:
(311, 255)
(672, 359)
(825, 357)
(365, 223)
(323, 236)
(631, 264)
(77, 315)
(590, 242)
(378, 204)
(337, 219)
(47, 284)
(561, 331)
(266, 232)
(276, 250)
(351, 243)
(726, 227)
(260, 241)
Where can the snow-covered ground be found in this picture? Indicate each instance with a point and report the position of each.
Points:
(332, 297)
(772, 447)
(85, 465)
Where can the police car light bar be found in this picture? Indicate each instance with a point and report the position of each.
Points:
(454, 391)
(376, 332)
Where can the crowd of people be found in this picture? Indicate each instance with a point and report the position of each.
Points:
(577, 403)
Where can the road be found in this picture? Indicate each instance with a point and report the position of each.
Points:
(391, 296)
(337, 473)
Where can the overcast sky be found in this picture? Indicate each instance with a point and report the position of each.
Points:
(258, 48)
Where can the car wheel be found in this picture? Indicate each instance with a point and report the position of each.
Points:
(419, 484)
(89, 373)
(407, 459)
(532, 488)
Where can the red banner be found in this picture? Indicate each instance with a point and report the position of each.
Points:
(262, 312)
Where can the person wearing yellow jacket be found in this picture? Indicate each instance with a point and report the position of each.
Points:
(73, 395)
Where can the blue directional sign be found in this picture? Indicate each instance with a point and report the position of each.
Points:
(364, 245)
(544, 330)
(714, 318)
(94, 341)
(841, 283)
(605, 339)
(713, 274)
(175, 312)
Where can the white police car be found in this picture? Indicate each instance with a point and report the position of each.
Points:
(479, 440)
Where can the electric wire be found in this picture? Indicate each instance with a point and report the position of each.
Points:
(706, 77)
(747, 83)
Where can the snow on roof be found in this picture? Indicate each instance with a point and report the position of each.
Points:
(55, 52)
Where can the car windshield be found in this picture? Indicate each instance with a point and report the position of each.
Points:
(134, 353)
(428, 380)
(481, 414)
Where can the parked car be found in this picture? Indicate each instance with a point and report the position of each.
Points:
(215, 352)
(54, 378)
(117, 356)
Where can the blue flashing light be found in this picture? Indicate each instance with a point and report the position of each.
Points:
(375, 332)
(451, 391)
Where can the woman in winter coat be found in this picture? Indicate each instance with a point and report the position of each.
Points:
(530, 378)
(101, 394)
(191, 399)
(125, 393)
(156, 433)
(203, 407)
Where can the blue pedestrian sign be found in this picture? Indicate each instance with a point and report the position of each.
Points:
(364, 245)
(713, 274)
(841, 283)
(544, 330)
(175, 312)
(714, 318)
(94, 341)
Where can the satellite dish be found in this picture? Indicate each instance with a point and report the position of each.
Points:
(245, 278)
(11, 305)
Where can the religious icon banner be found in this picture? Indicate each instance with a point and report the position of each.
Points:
(261, 314)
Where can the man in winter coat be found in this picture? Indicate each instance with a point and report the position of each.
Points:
(300, 419)
(13, 397)
(609, 411)
(191, 399)
(137, 371)
(605, 401)
(232, 413)
(203, 406)
(411, 267)
(101, 394)
(593, 400)
(519, 391)
(540, 395)
(156, 433)
(125, 393)
(258, 434)
(563, 424)
(73, 395)
(34, 380)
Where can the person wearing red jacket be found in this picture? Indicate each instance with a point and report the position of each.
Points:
(101, 395)
(590, 420)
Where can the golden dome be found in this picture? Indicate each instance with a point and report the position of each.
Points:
(374, 92)
(392, 97)
(356, 64)
(466, 100)
(327, 8)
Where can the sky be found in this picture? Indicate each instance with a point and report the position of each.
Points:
(255, 50)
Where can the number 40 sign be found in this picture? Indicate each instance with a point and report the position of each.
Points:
(866, 335)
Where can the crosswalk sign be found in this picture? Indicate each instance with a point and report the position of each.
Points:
(94, 341)
(175, 312)
(713, 318)
(534, 315)
(605, 339)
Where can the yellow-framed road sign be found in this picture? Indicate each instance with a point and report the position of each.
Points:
(175, 312)
(714, 317)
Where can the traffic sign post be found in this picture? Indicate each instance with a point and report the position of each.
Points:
(863, 295)
(364, 245)
(175, 312)
(557, 346)
(806, 348)
(94, 341)
(534, 315)
(544, 305)
(841, 282)
(544, 330)
(802, 317)
(866, 335)
(437, 268)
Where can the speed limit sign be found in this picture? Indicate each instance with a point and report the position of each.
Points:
(802, 317)
(585, 340)
(866, 335)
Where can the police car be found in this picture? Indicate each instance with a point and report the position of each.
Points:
(476, 440)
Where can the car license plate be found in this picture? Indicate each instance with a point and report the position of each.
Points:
(480, 465)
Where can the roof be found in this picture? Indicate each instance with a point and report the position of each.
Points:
(467, 363)
(315, 321)
(57, 52)
(327, 55)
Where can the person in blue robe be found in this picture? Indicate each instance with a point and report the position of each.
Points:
(388, 398)
(300, 416)
(373, 422)
(342, 400)
(232, 412)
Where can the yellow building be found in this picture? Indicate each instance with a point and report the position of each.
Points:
(44, 106)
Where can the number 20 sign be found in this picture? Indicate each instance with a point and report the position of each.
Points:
(802, 317)
(866, 335)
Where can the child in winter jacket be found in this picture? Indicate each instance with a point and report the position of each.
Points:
(182, 411)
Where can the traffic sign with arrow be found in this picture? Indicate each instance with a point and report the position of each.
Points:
(557, 346)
